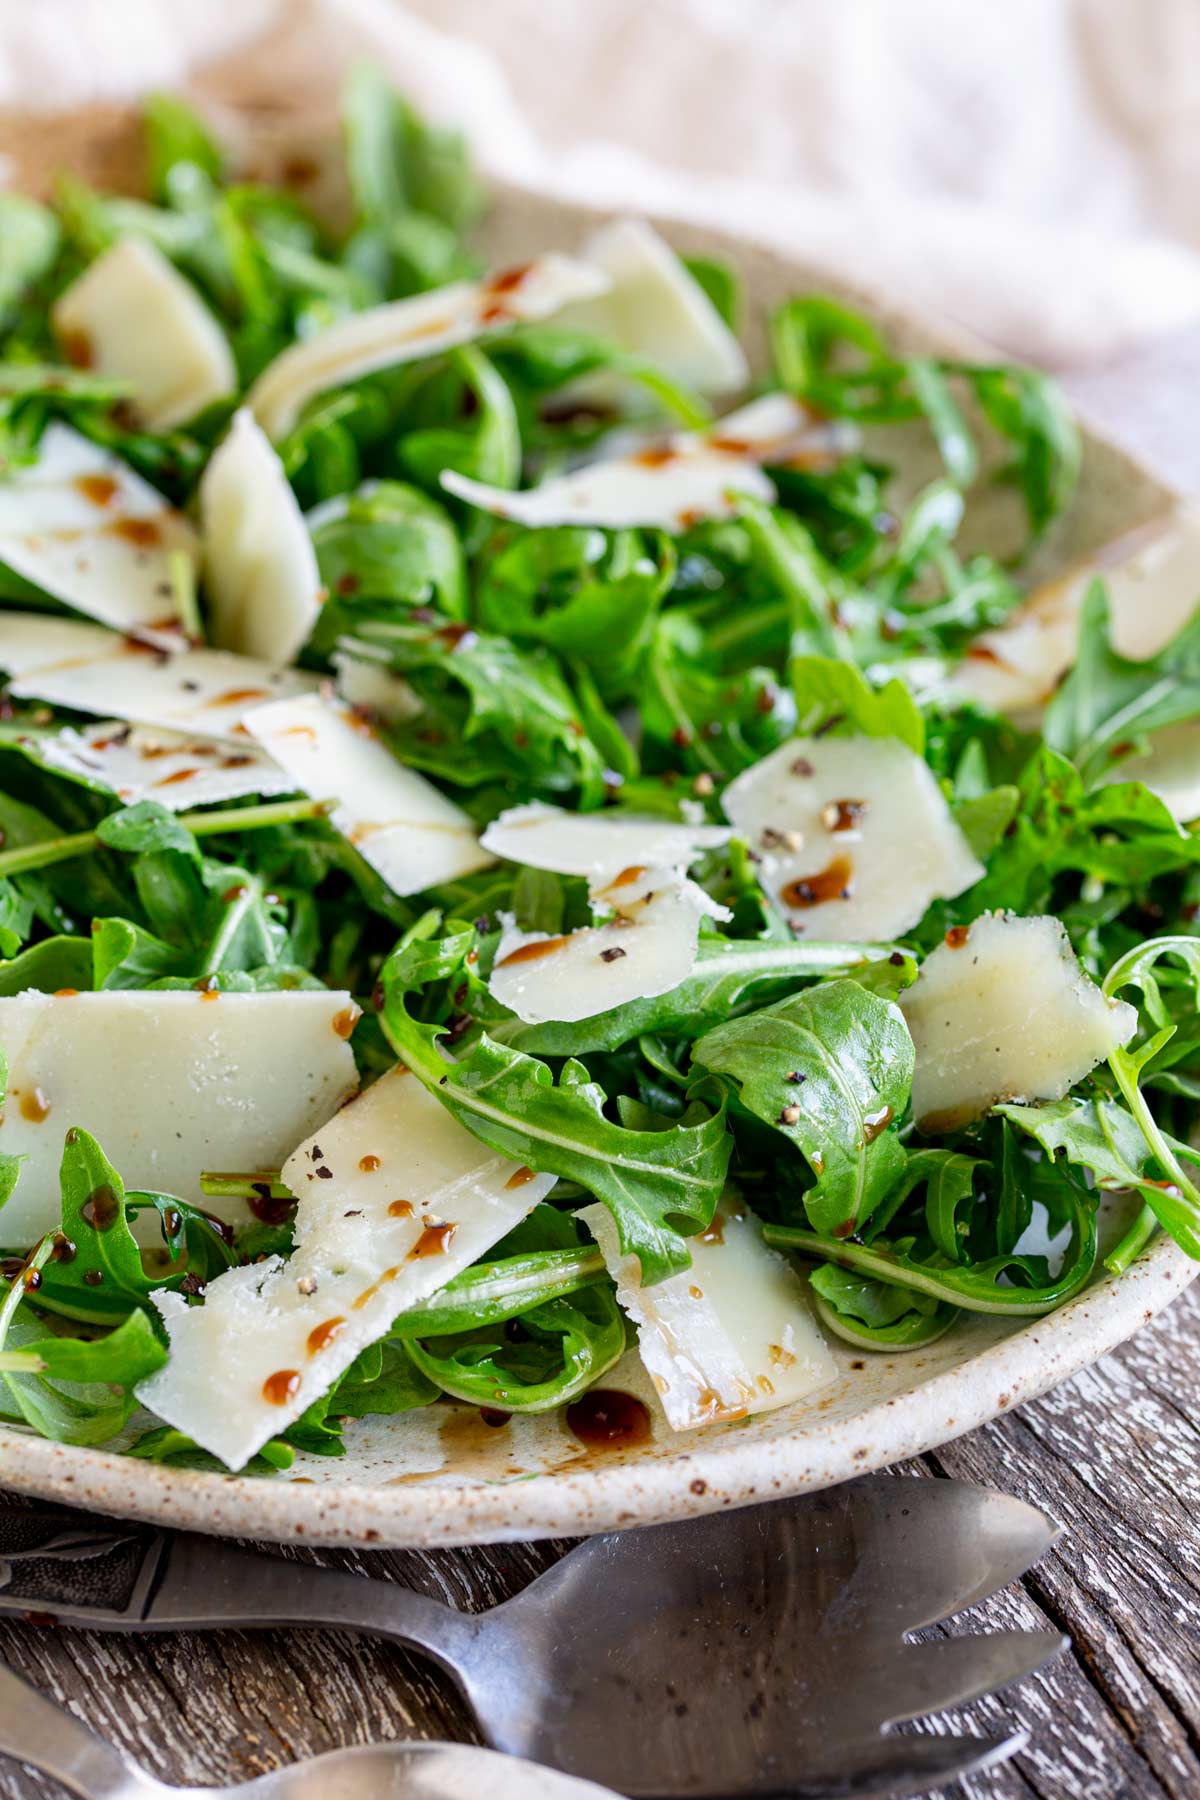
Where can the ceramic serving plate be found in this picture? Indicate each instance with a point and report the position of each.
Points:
(443, 1476)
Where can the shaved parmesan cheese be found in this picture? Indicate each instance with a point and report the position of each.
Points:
(1153, 582)
(1004, 1012)
(30, 641)
(170, 1084)
(408, 330)
(202, 692)
(370, 687)
(854, 835)
(260, 568)
(131, 315)
(731, 1335)
(405, 827)
(655, 308)
(1170, 768)
(695, 475)
(143, 762)
(395, 1198)
(597, 845)
(647, 947)
(82, 526)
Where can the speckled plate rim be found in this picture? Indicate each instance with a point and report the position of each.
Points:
(706, 1474)
(712, 1469)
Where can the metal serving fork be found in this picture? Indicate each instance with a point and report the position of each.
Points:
(44, 1735)
(758, 1652)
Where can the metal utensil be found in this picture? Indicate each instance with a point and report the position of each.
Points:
(37, 1731)
(756, 1652)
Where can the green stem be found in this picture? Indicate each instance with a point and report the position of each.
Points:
(37, 1259)
(244, 1184)
(941, 1284)
(1125, 1073)
(201, 824)
(1133, 1243)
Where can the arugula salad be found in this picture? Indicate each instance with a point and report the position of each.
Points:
(523, 838)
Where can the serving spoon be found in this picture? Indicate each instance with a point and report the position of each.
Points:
(37, 1731)
(757, 1652)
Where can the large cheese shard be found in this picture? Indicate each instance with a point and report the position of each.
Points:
(647, 947)
(131, 315)
(202, 692)
(1004, 1012)
(854, 835)
(596, 845)
(169, 1084)
(1153, 581)
(407, 330)
(82, 526)
(143, 762)
(400, 823)
(729, 1336)
(1169, 766)
(656, 309)
(395, 1198)
(260, 568)
(694, 475)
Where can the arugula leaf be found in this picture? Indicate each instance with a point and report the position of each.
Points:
(1100, 1136)
(647, 1178)
(566, 1345)
(830, 1069)
(720, 283)
(29, 238)
(874, 1315)
(106, 1275)
(509, 709)
(1017, 1286)
(836, 693)
(49, 966)
(715, 723)
(75, 1393)
(176, 134)
(834, 358)
(581, 592)
(385, 542)
(1106, 703)
(1120, 833)
(396, 163)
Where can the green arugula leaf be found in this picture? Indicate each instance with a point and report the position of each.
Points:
(385, 542)
(580, 592)
(874, 1315)
(509, 709)
(1107, 702)
(1017, 1286)
(647, 1179)
(29, 238)
(830, 1069)
(831, 693)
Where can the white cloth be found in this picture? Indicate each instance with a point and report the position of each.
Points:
(1029, 167)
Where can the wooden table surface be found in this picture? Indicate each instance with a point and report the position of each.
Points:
(1114, 1456)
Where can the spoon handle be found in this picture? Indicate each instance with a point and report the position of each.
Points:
(38, 1731)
